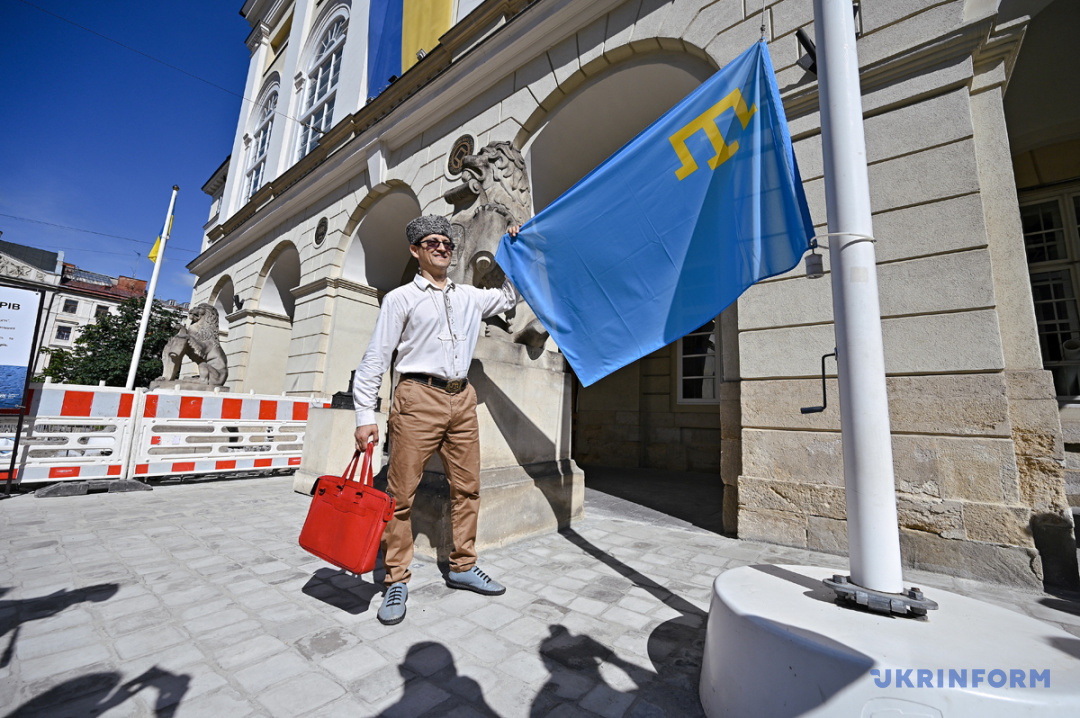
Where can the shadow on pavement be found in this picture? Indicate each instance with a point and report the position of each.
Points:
(97, 693)
(429, 674)
(675, 647)
(343, 590)
(14, 613)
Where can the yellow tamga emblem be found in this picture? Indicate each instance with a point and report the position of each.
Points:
(707, 121)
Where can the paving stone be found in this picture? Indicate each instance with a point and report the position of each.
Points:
(301, 694)
(271, 671)
(249, 651)
(148, 641)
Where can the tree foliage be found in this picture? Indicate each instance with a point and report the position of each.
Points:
(103, 350)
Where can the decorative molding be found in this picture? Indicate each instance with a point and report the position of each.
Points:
(298, 81)
(260, 35)
(955, 46)
(328, 283)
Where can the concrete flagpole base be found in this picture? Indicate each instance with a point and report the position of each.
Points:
(777, 645)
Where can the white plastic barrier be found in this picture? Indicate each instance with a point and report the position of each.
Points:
(71, 433)
(76, 433)
(183, 433)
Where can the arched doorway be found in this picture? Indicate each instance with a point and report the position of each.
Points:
(644, 416)
(376, 261)
(273, 319)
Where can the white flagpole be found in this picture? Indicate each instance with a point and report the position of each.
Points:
(150, 291)
(873, 533)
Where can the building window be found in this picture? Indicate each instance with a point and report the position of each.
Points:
(70, 306)
(257, 151)
(1052, 240)
(63, 333)
(318, 113)
(699, 365)
(100, 310)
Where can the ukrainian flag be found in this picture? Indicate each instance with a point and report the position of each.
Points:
(397, 30)
(165, 232)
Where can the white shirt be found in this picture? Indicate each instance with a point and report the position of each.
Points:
(433, 330)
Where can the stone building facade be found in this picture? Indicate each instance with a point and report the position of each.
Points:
(304, 238)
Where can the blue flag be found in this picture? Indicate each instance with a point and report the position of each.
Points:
(669, 230)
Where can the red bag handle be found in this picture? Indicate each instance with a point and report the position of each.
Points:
(365, 471)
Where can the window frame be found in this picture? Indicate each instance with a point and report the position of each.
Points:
(64, 307)
(318, 108)
(718, 373)
(59, 328)
(255, 176)
(1067, 197)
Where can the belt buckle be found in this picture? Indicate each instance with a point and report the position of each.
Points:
(455, 386)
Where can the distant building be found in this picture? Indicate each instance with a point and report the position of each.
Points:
(74, 298)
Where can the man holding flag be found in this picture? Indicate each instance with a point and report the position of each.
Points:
(433, 325)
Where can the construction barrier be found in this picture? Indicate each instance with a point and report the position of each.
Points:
(77, 433)
(70, 433)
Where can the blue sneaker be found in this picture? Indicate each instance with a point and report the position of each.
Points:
(475, 580)
(392, 609)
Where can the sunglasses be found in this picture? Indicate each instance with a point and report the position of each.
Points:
(432, 244)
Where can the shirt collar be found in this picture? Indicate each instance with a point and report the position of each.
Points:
(424, 283)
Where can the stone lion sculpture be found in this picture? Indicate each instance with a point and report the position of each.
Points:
(494, 195)
(199, 342)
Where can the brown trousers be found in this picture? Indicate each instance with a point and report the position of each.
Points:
(424, 420)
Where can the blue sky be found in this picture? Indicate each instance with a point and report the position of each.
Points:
(94, 136)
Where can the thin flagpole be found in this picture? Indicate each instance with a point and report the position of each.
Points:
(150, 291)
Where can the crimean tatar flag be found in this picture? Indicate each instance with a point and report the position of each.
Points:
(397, 30)
(165, 232)
(669, 230)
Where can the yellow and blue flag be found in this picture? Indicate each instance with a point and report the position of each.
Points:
(165, 232)
(397, 30)
(669, 230)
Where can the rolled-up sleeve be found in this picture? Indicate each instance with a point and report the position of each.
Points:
(494, 301)
(369, 373)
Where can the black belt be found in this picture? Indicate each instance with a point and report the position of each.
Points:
(454, 386)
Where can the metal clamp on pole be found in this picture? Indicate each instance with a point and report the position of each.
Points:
(824, 393)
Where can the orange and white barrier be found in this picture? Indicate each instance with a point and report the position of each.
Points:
(81, 432)
(198, 433)
(71, 432)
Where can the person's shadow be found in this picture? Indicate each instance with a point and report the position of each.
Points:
(14, 613)
(97, 693)
(573, 662)
(433, 661)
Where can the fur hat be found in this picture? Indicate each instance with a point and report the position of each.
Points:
(428, 224)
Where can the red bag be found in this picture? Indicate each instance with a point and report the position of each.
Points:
(346, 520)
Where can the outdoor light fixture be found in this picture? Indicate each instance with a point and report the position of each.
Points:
(815, 263)
(420, 54)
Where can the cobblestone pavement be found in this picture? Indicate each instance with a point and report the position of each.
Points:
(195, 600)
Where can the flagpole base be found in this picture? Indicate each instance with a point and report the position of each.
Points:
(779, 645)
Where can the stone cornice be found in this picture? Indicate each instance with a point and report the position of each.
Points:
(962, 43)
(241, 314)
(259, 34)
(326, 283)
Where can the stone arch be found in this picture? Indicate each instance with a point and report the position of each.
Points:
(272, 320)
(602, 112)
(591, 116)
(375, 251)
(221, 297)
(279, 276)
